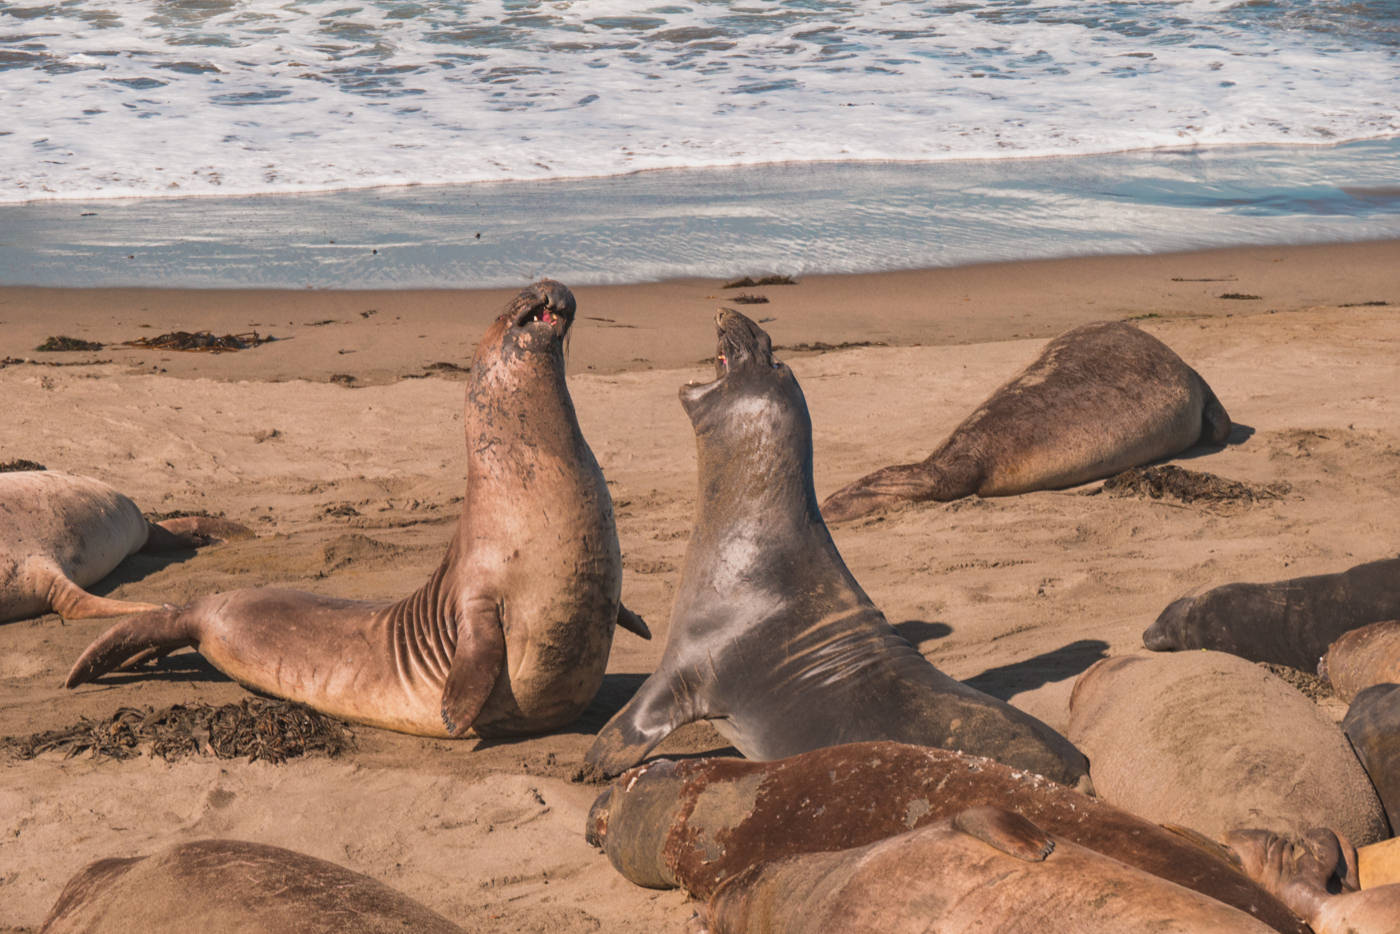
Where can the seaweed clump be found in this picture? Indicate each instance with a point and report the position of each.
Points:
(1189, 486)
(271, 730)
(20, 464)
(67, 343)
(201, 341)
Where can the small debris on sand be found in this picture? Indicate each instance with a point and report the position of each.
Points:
(1188, 486)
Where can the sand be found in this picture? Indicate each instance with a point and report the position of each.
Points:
(340, 444)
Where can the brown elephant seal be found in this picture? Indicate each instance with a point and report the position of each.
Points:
(1289, 622)
(700, 822)
(232, 887)
(771, 637)
(986, 869)
(1315, 875)
(1212, 742)
(509, 635)
(1372, 724)
(1363, 657)
(60, 533)
(1099, 399)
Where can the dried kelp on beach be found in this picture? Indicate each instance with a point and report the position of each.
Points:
(748, 282)
(201, 340)
(272, 730)
(1169, 481)
(67, 343)
(1315, 688)
(20, 464)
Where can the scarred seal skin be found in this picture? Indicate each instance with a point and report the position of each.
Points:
(1290, 622)
(60, 533)
(1372, 724)
(509, 635)
(698, 823)
(1363, 657)
(1212, 742)
(985, 869)
(1098, 400)
(771, 638)
(233, 887)
(1314, 873)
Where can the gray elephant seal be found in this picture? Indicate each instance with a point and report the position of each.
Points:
(60, 533)
(1362, 658)
(1099, 399)
(232, 887)
(771, 637)
(1290, 622)
(1212, 742)
(509, 635)
(696, 823)
(1315, 875)
(1372, 724)
(985, 869)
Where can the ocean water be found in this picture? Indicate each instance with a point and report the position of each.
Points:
(616, 141)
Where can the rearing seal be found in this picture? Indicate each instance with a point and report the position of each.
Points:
(771, 637)
(509, 635)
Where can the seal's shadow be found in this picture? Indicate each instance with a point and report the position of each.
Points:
(919, 631)
(138, 567)
(1239, 434)
(1067, 661)
(177, 666)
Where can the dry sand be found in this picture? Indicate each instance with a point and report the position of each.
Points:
(353, 489)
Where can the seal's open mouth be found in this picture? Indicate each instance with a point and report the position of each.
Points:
(545, 304)
(739, 341)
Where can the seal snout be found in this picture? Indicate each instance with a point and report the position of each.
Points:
(546, 302)
(1164, 635)
(739, 341)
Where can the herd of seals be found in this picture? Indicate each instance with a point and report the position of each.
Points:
(1190, 791)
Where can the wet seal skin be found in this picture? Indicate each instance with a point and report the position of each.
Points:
(60, 533)
(1289, 622)
(1372, 724)
(697, 823)
(771, 638)
(1098, 400)
(233, 887)
(1363, 657)
(984, 869)
(509, 635)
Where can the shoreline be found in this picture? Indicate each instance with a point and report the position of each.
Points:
(326, 333)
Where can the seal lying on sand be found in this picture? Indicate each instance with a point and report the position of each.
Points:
(1099, 399)
(60, 533)
(1215, 743)
(1372, 724)
(1289, 622)
(986, 869)
(699, 822)
(510, 634)
(1315, 875)
(231, 887)
(1363, 657)
(771, 637)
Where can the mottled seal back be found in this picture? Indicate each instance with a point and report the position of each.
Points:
(1363, 657)
(1100, 399)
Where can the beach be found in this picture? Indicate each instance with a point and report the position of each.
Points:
(340, 444)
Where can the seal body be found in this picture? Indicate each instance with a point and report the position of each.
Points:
(61, 533)
(985, 869)
(1372, 724)
(771, 637)
(1290, 622)
(232, 887)
(1098, 400)
(509, 635)
(1211, 742)
(698, 823)
(1363, 657)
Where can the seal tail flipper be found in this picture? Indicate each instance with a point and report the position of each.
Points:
(1006, 831)
(632, 622)
(73, 602)
(477, 662)
(192, 532)
(162, 629)
(1215, 421)
(660, 705)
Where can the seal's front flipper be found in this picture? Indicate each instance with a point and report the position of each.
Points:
(477, 662)
(660, 705)
(163, 629)
(632, 622)
(1006, 831)
(73, 602)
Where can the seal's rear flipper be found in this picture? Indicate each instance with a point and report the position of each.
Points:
(1006, 831)
(162, 629)
(73, 602)
(477, 662)
(192, 532)
(660, 705)
(632, 622)
(1215, 421)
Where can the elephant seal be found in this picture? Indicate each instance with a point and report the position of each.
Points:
(60, 533)
(986, 869)
(509, 635)
(1315, 875)
(700, 822)
(1215, 743)
(1363, 657)
(1099, 399)
(1289, 622)
(771, 637)
(232, 887)
(1372, 724)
